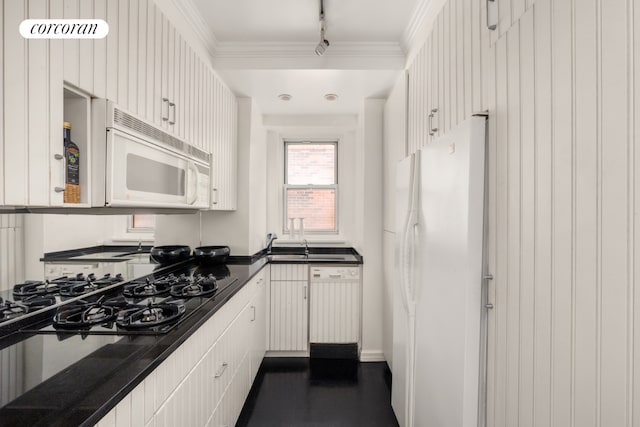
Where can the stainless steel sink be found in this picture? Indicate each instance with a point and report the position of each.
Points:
(132, 254)
(288, 257)
(312, 257)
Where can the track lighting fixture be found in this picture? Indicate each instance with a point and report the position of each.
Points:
(324, 43)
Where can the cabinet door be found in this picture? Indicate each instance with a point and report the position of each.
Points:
(41, 134)
(158, 66)
(258, 327)
(2, 104)
(181, 94)
(225, 148)
(112, 43)
(15, 88)
(150, 62)
(288, 315)
(100, 52)
(166, 65)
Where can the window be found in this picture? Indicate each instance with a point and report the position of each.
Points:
(139, 223)
(311, 186)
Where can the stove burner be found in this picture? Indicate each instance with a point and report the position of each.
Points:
(10, 310)
(151, 315)
(147, 288)
(34, 287)
(66, 280)
(83, 315)
(36, 302)
(75, 288)
(107, 280)
(201, 286)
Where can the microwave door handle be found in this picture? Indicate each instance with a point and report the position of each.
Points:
(194, 196)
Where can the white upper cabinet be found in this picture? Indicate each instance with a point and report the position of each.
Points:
(222, 139)
(31, 109)
(144, 64)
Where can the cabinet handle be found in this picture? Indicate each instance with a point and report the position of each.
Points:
(492, 14)
(215, 193)
(305, 291)
(253, 307)
(64, 170)
(165, 117)
(432, 130)
(221, 370)
(172, 105)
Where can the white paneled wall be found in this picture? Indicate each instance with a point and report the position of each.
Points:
(11, 373)
(561, 86)
(11, 250)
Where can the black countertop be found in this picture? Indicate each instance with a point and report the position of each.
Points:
(101, 253)
(83, 392)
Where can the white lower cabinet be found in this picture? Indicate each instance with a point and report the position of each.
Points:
(207, 379)
(258, 325)
(289, 307)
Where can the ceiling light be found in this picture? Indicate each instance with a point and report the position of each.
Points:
(331, 97)
(322, 46)
(324, 43)
(284, 97)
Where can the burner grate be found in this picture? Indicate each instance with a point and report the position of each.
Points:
(151, 315)
(83, 315)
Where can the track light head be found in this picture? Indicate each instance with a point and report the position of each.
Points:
(322, 46)
(324, 43)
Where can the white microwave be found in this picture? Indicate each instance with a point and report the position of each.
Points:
(135, 164)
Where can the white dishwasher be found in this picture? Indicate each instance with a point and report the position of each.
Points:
(335, 304)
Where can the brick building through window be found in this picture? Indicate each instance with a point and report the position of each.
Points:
(311, 186)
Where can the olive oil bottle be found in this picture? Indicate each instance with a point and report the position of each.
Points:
(72, 167)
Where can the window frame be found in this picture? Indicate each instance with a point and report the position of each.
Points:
(134, 230)
(286, 186)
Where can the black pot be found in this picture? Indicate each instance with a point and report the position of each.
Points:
(170, 254)
(207, 255)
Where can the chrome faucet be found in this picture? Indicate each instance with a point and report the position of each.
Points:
(270, 238)
(306, 247)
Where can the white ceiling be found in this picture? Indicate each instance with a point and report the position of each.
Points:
(297, 20)
(308, 87)
(264, 48)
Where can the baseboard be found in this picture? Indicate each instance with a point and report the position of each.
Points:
(372, 356)
(365, 355)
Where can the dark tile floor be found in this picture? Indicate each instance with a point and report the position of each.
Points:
(300, 392)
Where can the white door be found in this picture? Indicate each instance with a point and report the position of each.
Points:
(448, 291)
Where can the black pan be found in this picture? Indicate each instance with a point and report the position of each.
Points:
(170, 254)
(207, 255)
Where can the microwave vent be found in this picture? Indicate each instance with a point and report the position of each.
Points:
(130, 122)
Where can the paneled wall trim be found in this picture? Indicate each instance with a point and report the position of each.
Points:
(11, 250)
(560, 81)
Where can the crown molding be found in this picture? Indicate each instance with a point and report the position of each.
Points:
(412, 30)
(303, 49)
(301, 55)
(198, 25)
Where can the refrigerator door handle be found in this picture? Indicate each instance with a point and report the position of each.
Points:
(404, 265)
(411, 230)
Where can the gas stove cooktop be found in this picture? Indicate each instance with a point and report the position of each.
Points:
(149, 306)
(33, 295)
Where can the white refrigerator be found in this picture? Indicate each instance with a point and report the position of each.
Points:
(437, 313)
